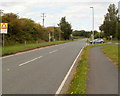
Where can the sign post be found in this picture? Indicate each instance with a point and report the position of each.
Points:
(111, 37)
(3, 28)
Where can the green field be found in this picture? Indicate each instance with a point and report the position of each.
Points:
(112, 52)
(79, 82)
(22, 47)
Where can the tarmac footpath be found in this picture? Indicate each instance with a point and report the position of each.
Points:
(103, 73)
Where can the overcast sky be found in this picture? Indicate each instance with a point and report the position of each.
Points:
(77, 12)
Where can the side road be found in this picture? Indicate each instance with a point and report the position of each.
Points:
(103, 74)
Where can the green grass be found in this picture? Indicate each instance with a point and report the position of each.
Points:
(112, 52)
(21, 47)
(113, 41)
(78, 84)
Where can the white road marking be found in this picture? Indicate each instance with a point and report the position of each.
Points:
(68, 73)
(30, 51)
(30, 61)
(62, 47)
(53, 51)
(8, 69)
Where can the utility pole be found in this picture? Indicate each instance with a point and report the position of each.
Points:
(119, 11)
(1, 12)
(93, 23)
(43, 16)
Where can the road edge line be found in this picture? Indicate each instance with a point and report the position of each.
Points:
(68, 73)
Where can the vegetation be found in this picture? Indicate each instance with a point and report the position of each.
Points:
(11, 49)
(111, 23)
(21, 47)
(79, 82)
(112, 52)
(82, 33)
(21, 30)
(66, 28)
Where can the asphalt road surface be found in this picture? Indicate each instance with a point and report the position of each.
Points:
(40, 71)
(103, 74)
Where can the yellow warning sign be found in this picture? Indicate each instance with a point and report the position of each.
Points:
(3, 27)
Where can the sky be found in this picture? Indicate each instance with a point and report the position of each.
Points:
(77, 12)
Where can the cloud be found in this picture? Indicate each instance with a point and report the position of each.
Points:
(77, 12)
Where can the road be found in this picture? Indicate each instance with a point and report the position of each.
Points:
(103, 74)
(40, 71)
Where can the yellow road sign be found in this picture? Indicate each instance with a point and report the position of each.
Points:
(4, 27)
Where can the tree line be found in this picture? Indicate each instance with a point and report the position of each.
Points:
(22, 30)
(111, 23)
(110, 26)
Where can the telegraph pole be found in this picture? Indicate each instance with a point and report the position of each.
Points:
(43, 16)
(1, 12)
(0, 55)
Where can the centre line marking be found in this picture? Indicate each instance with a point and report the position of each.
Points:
(30, 61)
(53, 51)
(8, 69)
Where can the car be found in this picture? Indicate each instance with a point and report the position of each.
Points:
(96, 41)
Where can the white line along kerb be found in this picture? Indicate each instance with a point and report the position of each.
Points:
(68, 73)
(30, 61)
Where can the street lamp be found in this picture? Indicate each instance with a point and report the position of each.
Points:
(93, 23)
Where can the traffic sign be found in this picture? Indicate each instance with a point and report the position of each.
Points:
(3, 28)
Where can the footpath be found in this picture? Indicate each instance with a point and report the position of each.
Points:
(103, 74)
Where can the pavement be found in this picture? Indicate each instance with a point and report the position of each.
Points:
(103, 74)
(39, 71)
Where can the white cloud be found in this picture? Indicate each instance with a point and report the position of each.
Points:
(77, 12)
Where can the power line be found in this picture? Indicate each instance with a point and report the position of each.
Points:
(43, 16)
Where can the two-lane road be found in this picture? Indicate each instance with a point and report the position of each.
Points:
(39, 71)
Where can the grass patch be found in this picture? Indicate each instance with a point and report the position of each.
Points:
(21, 47)
(112, 52)
(78, 84)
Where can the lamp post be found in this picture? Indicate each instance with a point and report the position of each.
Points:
(92, 22)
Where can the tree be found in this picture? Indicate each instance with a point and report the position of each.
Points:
(21, 30)
(82, 33)
(109, 26)
(66, 28)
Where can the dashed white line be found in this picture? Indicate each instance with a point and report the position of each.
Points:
(30, 61)
(62, 47)
(53, 51)
(30, 51)
(8, 69)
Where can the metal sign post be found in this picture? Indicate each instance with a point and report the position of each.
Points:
(111, 37)
(3, 40)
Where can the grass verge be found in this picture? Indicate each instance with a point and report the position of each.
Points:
(78, 84)
(7, 50)
(21, 47)
(112, 52)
